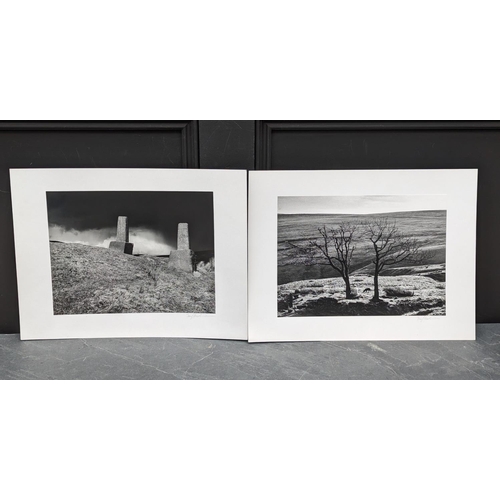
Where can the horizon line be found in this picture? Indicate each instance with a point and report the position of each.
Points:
(364, 213)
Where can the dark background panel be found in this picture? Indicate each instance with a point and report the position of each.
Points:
(246, 144)
(90, 149)
(227, 144)
(403, 145)
(393, 149)
(170, 144)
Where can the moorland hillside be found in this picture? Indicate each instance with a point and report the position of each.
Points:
(94, 280)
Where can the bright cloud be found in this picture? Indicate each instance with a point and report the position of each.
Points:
(149, 242)
(145, 240)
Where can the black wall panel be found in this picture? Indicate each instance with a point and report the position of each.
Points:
(400, 145)
(268, 144)
(80, 145)
(227, 144)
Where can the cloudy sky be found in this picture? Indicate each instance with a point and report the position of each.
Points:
(90, 217)
(358, 204)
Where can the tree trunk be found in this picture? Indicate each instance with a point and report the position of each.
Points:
(376, 296)
(347, 288)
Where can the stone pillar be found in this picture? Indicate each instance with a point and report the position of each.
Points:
(122, 229)
(182, 258)
(122, 244)
(182, 236)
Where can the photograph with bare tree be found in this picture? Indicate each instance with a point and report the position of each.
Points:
(361, 256)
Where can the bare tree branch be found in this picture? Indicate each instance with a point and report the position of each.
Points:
(391, 247)
(335, 247)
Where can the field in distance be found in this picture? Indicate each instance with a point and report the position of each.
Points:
(427, 226)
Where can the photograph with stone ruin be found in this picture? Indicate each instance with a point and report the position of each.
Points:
(132, 252)
(361, 256)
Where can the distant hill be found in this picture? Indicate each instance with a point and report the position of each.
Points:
(427, 226)
(94, 280)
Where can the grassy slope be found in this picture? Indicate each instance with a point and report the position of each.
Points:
(427, 226)
(92, 280)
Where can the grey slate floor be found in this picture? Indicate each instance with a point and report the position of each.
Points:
(222, 359)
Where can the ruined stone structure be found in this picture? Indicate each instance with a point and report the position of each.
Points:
(183, 257)
(122, 244)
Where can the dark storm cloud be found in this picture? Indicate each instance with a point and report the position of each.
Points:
(155, 210)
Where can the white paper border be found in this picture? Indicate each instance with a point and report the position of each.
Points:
(460, 188)
(29, 204)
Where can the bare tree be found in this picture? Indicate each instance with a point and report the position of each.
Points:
(391, 247)
(334, 248)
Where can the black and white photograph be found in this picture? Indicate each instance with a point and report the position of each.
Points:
(131, 252)
(356, 255)
(360, 256)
